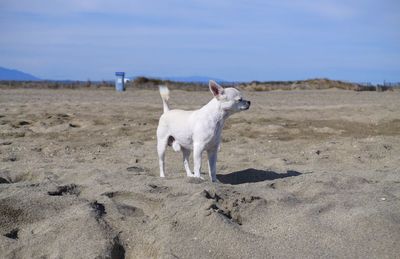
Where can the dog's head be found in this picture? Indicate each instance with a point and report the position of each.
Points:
(230, 98)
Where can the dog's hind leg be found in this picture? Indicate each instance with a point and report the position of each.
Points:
(161, 147)
(186, 154)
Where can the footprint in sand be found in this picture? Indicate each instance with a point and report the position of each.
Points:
(65, 190)
(132, 204)
(13, 234)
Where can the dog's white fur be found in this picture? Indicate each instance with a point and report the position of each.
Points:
(198, 130)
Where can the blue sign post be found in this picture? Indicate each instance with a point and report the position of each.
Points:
(119, 81)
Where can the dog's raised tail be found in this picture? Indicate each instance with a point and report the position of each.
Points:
(164, 92)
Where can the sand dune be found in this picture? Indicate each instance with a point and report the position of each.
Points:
(303, 174)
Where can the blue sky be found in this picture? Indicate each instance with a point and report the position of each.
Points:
(233, 40)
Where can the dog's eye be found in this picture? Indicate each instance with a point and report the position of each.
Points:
(241, 99)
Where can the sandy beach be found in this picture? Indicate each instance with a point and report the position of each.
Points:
(303, 174)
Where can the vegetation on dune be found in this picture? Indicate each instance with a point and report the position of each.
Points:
(311, 84)
(153, 83)
(47, 84)
(142, 82)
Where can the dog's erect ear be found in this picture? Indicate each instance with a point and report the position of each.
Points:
(215, 89)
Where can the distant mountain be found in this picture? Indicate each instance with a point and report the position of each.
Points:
(193, 79)
(13, 74)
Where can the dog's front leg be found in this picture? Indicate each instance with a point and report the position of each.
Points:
(197, 152)
(212, 164)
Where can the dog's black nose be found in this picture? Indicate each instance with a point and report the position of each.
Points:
(248, 102)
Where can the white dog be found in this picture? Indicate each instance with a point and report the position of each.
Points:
(197, 130)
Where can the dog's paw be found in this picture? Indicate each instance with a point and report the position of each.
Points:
(215, 180)
(195, 176)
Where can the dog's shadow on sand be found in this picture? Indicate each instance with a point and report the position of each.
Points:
(252, 175)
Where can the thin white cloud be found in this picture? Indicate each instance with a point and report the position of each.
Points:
(67, 7)
(328, 9)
